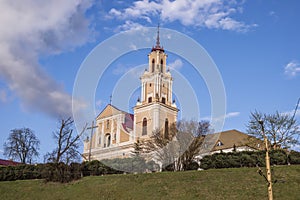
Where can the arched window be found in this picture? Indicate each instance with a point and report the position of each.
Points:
(107, 140)
(153, 63)
(107, 123)
(161, 65)
(144, 131)
(167, 128)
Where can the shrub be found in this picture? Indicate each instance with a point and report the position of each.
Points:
(294, 157)
(278, 157)
(248, 159)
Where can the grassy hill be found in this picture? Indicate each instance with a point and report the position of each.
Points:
(242, 183)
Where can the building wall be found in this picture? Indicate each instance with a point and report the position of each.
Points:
(156, 114)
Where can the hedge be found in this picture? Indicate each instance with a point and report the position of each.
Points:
(61, 172)
(65, 173)
(249, 159)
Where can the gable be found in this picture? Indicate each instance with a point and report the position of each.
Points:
(108, 111)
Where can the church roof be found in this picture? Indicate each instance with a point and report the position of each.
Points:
(110, 110)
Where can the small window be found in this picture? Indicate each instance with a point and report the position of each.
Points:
(149, 99)
(107, 123)
(115, 136)
(144, 131)
(163, 100)
(152, 68)
(166, 129)
(150, 84)
(161, 65)
(219, 143)
(100, 139)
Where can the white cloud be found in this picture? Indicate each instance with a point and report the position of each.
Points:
(32, 28)
(176, 65)
(206, 13)
(228, 115)
(133, 47)
(99, 103)
(232, 114)
(130, 26)
(125, 70)
(292, 69)
(292, 112)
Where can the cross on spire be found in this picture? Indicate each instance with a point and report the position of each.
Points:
(157, 38)
(157, 46)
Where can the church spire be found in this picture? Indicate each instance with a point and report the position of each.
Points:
(157, 46)
(157, 38)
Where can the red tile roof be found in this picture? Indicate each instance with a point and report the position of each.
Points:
(8, 163)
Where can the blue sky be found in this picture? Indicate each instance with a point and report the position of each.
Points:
(254, 45)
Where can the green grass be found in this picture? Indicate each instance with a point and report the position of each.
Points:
(242, 183)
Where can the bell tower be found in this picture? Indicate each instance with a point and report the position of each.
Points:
(155, 109)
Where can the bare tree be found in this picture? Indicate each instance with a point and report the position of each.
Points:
(281, 129)
(180, 147)
(67, 143)
(196, 130)
(22, 144)
(160, 147)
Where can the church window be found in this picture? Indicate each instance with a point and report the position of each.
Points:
(115, 136)
(150, 84)
(107, 123)
(161, 65)
(167, 128)
(163, 100)
(144, 131)
(149, 99)
(153, 63)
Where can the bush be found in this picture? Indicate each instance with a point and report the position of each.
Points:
(294, 157)
(192, 166)
(248, 159)
(278, 157)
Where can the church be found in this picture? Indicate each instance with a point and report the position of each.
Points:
(117, 131)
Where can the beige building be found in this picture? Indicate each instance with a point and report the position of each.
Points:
(229, 141)
(117, 131)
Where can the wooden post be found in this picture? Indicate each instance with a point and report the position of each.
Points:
(91, 139)
(268, 168)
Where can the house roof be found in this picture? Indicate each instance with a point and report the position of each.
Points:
(230, 138)
(8, 163)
